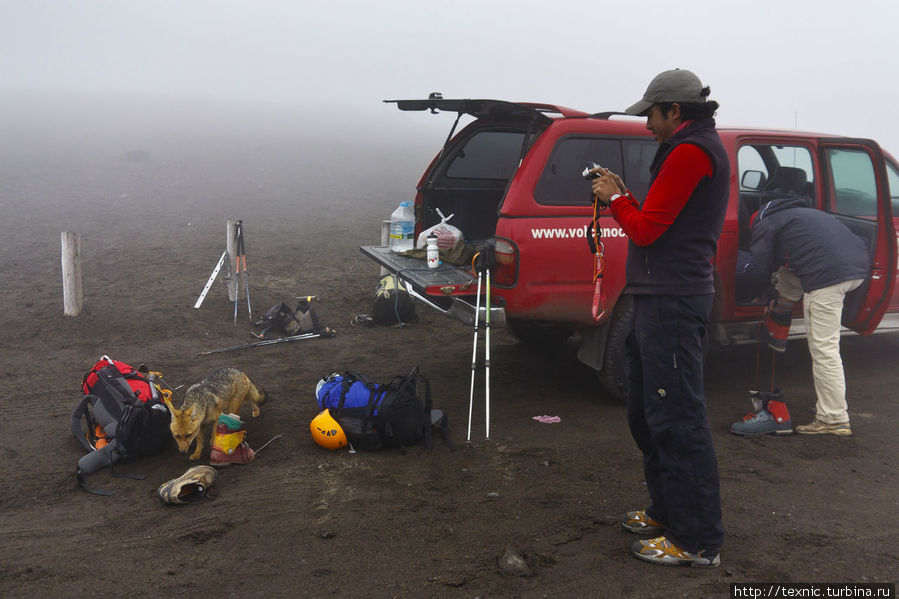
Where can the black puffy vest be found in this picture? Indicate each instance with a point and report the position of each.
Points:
(679, 262)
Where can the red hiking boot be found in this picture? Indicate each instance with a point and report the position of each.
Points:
(229, 446)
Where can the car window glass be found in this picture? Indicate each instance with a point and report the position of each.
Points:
(893, 178)
(768, 172)
(487, 155)
(638, 155)
(854, 183)
(562, 182)
(795, 157)
(769, 159)
(749, 159)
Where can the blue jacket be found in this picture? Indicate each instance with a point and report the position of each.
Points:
(679, 262)
(817, 247)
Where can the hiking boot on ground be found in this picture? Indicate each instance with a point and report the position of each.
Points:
(816, 427)
(190, 486)
(772, 419)
(640, 523)
(662, 551)
(229, 446)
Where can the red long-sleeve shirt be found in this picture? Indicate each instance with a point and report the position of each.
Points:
(681, 172)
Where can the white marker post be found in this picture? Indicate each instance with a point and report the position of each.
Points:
(72, 288)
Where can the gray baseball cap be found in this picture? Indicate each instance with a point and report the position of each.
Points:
(676, 85)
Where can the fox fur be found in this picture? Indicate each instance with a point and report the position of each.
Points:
(221, 392)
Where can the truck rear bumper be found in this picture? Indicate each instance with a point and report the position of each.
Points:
(449, 290)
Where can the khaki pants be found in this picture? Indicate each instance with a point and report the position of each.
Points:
(822, 309)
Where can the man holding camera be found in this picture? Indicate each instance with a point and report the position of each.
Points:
(672, 240)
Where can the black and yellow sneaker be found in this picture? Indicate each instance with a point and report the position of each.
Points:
(190, 486)
(640, 523)
(663, 552)
(816, 427)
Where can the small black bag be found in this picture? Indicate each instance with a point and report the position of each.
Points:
(393, 304)
(282, 318)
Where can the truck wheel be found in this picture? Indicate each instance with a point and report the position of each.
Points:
(613, 376)
(614, 373)
(539, 333)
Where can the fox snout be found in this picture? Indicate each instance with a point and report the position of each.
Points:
(184, 441)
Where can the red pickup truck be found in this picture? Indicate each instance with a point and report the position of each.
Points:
(512, 177)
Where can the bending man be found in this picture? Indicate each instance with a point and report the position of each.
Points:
(817, 258)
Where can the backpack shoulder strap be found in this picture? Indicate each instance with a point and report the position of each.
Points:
(117, 384)
(349, 378)
(80, 412)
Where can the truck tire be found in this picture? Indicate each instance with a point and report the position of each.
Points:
(613, 376)
(614, 373)
(539, 333)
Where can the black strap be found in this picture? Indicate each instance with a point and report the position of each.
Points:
(349, 378)
(80, 412)
(95, 490)
(82, 482)
(117, 474)
(118, 384)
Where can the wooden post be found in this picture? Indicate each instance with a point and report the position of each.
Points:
(231, 245)
(72, 289)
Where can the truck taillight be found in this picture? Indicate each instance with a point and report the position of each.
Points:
(506, 255)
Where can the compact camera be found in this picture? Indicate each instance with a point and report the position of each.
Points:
(588, 175)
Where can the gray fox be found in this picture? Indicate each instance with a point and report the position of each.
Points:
(223, 391)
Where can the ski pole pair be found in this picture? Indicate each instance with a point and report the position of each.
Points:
(240, 252)
(482, 265)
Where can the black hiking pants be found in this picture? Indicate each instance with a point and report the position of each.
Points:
(667, 415)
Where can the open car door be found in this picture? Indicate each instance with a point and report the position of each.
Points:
(859, 197)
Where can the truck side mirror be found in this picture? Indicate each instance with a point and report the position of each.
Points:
(752, 180)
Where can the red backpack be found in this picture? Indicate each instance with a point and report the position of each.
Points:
(138, 380)
(125, 415)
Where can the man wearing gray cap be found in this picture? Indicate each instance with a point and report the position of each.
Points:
(672, 240)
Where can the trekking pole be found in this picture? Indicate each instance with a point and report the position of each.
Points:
(487, 359)
(474, 354)
(242, 252)
(236, 269)
(325, 333)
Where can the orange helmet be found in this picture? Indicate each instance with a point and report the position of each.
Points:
(327, 432)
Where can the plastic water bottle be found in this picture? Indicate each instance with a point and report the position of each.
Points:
(402, 228)
(433, 252)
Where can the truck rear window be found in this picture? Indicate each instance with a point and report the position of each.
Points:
(487, 155)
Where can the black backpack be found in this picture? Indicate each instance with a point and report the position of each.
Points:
(282, 318)
(125, 417)
(375, 416)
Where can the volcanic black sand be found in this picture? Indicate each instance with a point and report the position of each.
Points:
(301, 521)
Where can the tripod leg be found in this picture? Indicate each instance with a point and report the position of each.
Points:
(487, 359)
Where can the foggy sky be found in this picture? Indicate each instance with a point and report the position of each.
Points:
(820, 65)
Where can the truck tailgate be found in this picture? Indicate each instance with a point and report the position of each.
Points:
(448, 289)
